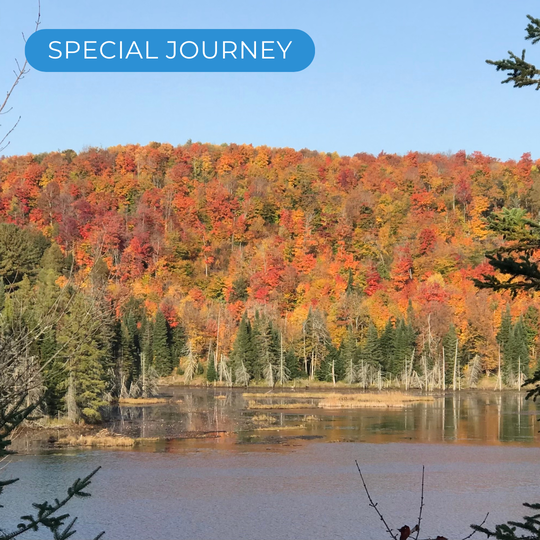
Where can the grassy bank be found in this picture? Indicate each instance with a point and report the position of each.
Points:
(325, 400)
(103, 439)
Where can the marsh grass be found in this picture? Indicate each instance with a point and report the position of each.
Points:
(252, 404)
(141, 401)
(280, 428)
(263, 419)
(386, 400)
(100, 439)
(327, 400)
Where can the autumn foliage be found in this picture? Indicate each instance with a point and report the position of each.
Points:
(204, 233)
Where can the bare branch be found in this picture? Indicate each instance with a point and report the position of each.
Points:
(421, 505)
(2, 148)
(475, 531)
(20, 72)
(374, 504)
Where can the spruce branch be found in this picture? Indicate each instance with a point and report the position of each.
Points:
(521, 72)
(507, 531)
(46, 511)
(533, 30)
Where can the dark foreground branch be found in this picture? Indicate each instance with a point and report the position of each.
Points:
(374, 504)
(47, 514)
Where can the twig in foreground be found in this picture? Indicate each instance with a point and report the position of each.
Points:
(421, 505)
(475, 531)
(374, 505)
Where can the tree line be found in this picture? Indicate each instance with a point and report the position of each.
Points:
(86, 351)
(247, 264)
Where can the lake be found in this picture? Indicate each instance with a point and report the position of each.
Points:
(291, 474)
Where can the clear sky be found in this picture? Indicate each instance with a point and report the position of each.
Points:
(388, 75)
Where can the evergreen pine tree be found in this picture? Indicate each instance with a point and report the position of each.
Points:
(506, 327)
(371, 352)
(86, 358)
(531, 322)
(517, 353)
(53, 259)
(331, 367)
(293, 364)
(339, 366)
(179, 340)
(161, 346)
(211, 373)
(349, 356)
(130, 346)
(254, 361)
(54, 373)
(404, 338)
(242, 353)
(266, 341)
(387, 347)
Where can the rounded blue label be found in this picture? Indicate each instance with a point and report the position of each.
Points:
(170, 50)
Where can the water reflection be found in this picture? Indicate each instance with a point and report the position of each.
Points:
(221, 416)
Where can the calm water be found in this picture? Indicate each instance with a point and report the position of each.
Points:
(297, 480)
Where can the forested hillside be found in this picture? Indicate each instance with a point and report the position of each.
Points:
(248, 263)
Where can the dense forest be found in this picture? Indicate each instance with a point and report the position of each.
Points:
(241, 263)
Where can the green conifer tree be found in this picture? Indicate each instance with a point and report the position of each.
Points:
(53, 259)
(387, 347)
(349, 356)
(371, 352)
(242, 354)
(404, 341)
(505, 329)
(267, 349)
(516, 354)
(54, 373)
(531, 322)
(85, 358)
(179, 340)
(211, 373)
(293, 364)
(255, 363)
(161, 345)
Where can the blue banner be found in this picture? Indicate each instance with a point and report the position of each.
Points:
(170, 50)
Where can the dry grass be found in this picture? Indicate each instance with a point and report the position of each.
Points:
(141, 401)
(254, 405)
(263, 419)
(56, 423)
(386, 400)
(278, 428)
(294, 395)
(327, 400)
(103, 438)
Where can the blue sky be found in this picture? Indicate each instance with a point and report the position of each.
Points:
(388, 75)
